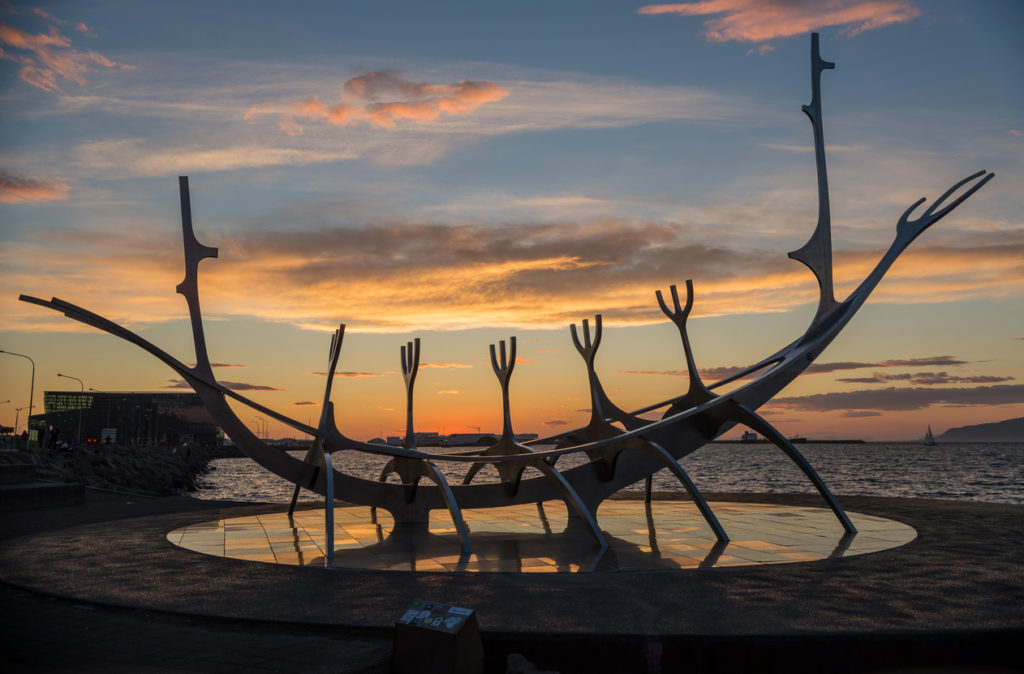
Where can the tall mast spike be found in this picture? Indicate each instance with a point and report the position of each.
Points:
(195, 252)
(817, 252)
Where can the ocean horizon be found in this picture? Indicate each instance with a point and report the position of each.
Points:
(985, 471)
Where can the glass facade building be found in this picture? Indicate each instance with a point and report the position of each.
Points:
(127, 418)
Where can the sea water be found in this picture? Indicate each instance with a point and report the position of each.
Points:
(992, 472)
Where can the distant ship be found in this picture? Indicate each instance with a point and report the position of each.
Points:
(929, 439)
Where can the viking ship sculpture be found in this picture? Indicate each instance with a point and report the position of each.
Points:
(621, 448)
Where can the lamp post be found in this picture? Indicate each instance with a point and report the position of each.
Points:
(17, 413)
(31, 391)
(81, 384)
(4, 402)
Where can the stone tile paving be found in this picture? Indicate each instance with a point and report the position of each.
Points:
(39, 633)
(527, 539)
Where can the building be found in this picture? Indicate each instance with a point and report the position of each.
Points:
(127, 418)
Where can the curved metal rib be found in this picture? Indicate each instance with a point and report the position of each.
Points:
(691, 489)
(750, 418)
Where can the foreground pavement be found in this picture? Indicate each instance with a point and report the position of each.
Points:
(952, 600)
(40, 632)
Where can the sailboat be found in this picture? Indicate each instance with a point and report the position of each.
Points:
(929, 439)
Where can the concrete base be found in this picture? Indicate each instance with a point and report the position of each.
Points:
(19, 490)
(952, 598)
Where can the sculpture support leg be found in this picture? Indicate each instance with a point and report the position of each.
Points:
(329, 508)
(691, 488)
(295, 499)
(453, 507)
(749, 418)
(574, 500)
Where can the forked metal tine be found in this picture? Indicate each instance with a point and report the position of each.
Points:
(508, 359)
(589, 345)
(411, 358)
(576, 339)
(680, 313)
(930, 216)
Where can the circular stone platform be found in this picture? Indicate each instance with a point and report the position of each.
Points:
(662, 535)
(961, 574)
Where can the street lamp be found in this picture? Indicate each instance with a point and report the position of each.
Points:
(81, 384)
(31, 390)
(17, 413)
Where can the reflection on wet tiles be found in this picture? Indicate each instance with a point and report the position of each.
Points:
(532, 539)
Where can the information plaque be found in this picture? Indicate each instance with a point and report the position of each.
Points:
(434, 638)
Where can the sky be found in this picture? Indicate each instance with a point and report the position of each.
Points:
(463, 172)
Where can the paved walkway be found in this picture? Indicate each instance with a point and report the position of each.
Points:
(44, 633)
(954, 595)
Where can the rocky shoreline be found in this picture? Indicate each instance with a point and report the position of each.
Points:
(149, 471)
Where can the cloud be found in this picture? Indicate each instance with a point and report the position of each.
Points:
(904, 399)
(383, 99)
(452, 277)
(712, 374)
(762, 20)
(1016, 133)
(217, 365)
(303, 403)
(444, 365)
(858, 414)
(559, 350)
(448, 392)
(135, 158)
(204, 103)
(15, 189)
(47, 58)
(233, 385)
(924, 379)
(556, 422)
(351, 375)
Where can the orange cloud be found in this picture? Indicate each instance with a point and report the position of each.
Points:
(47, 58)
(762, 20)
(15, 189)
(453, 277)
(383, 99)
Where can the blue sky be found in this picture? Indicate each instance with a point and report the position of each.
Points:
(473, 170)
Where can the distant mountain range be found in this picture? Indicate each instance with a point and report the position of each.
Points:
(1011, 430)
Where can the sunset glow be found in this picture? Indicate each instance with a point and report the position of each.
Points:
(399, 171)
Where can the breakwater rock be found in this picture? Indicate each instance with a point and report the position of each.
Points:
(152, 471)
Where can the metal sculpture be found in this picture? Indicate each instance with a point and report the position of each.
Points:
(617, 457)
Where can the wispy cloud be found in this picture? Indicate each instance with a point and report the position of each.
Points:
(350, 375)
(444, 365)
(763, 20)
(451, 277)
(233, 385)
(47, 58)
(904, 399)
(383, 99)
(16, 189)
(552, 423)
(127, 157)
(304, 403)
(924, 379)
(711, 374)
